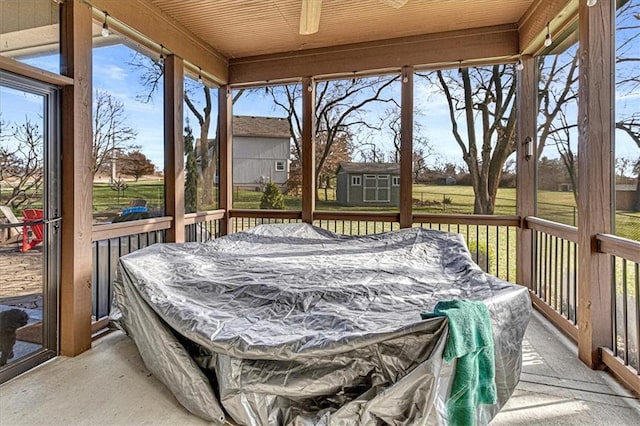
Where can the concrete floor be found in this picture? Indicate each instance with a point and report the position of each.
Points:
(109, 385)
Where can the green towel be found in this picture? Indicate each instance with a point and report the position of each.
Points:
(470, 341)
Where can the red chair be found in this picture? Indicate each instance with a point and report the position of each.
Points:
(32, 220)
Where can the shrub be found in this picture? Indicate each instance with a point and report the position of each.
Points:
(272, 197)
(482, 255)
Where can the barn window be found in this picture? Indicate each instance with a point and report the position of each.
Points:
(280, 166)
(395, 181)
(356, 180)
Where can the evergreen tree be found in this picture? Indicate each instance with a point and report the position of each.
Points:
(191, 179)
(272, 198)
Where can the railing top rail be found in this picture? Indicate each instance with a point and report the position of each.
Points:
(619, 247)
(560, 230)
(122, 229)
(266, 214)
(357, 215)
(203, 216)
(467, 219)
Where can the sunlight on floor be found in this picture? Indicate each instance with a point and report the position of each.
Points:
(529, 355)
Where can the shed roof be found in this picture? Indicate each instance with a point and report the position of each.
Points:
(390, 168)
(269, 127)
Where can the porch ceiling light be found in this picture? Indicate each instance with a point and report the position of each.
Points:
(528, 148)
(519, 65)
(161, 58)
(591, 3)
(105, 26)
(547, 39)
(310, 16)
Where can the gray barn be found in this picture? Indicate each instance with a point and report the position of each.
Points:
(261, 150)
(368, 184)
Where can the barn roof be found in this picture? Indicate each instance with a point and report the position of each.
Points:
(390, 168)
(270, 127)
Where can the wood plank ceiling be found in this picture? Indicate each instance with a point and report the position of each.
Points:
(241, 28)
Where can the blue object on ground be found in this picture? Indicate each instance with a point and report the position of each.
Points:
(470, 342)
(136, 209)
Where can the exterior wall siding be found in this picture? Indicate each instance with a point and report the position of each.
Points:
(341, 188)
(254, 157)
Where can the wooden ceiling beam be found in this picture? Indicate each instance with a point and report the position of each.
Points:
(152, 23)
(533, 25)
(467, 46)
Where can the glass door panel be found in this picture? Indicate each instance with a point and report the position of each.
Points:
(29, 210)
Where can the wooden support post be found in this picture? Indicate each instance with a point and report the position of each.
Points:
(225, 108)
(77, 179)
(526, 159)
(308, 150)
(595, 144)
(406, 148)
(174, 146)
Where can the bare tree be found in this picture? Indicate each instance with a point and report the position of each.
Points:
(562, 140)
(623, 166)
(557, 91)
(340, 114)
(422, 149)
(627, 71)
(21, 161)
(631, 126)
(482, 99)
(206, 149)
(111, 133)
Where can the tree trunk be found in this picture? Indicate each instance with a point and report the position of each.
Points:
(484, 202)
(207, 164)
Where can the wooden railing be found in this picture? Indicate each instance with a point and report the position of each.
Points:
(202, 226)
(241, 220)
(622, 357)
(490, 239)
(357, 223)
(555, 273)
(110, 241)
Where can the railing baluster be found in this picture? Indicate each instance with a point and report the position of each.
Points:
(625, 328)
(637, 314)
(562, 281)
(614, 310)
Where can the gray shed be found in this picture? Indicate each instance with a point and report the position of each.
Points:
(368, 184)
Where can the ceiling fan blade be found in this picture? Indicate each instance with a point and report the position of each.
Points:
(310, 16)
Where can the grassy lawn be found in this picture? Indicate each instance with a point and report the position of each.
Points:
(556, 206)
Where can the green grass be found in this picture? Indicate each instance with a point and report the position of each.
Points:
(555, 206)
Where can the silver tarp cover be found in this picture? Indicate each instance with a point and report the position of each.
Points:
(294, 325)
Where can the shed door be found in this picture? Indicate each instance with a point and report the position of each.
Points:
(376, 188)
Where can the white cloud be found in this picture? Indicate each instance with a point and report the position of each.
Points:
(111, 72)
